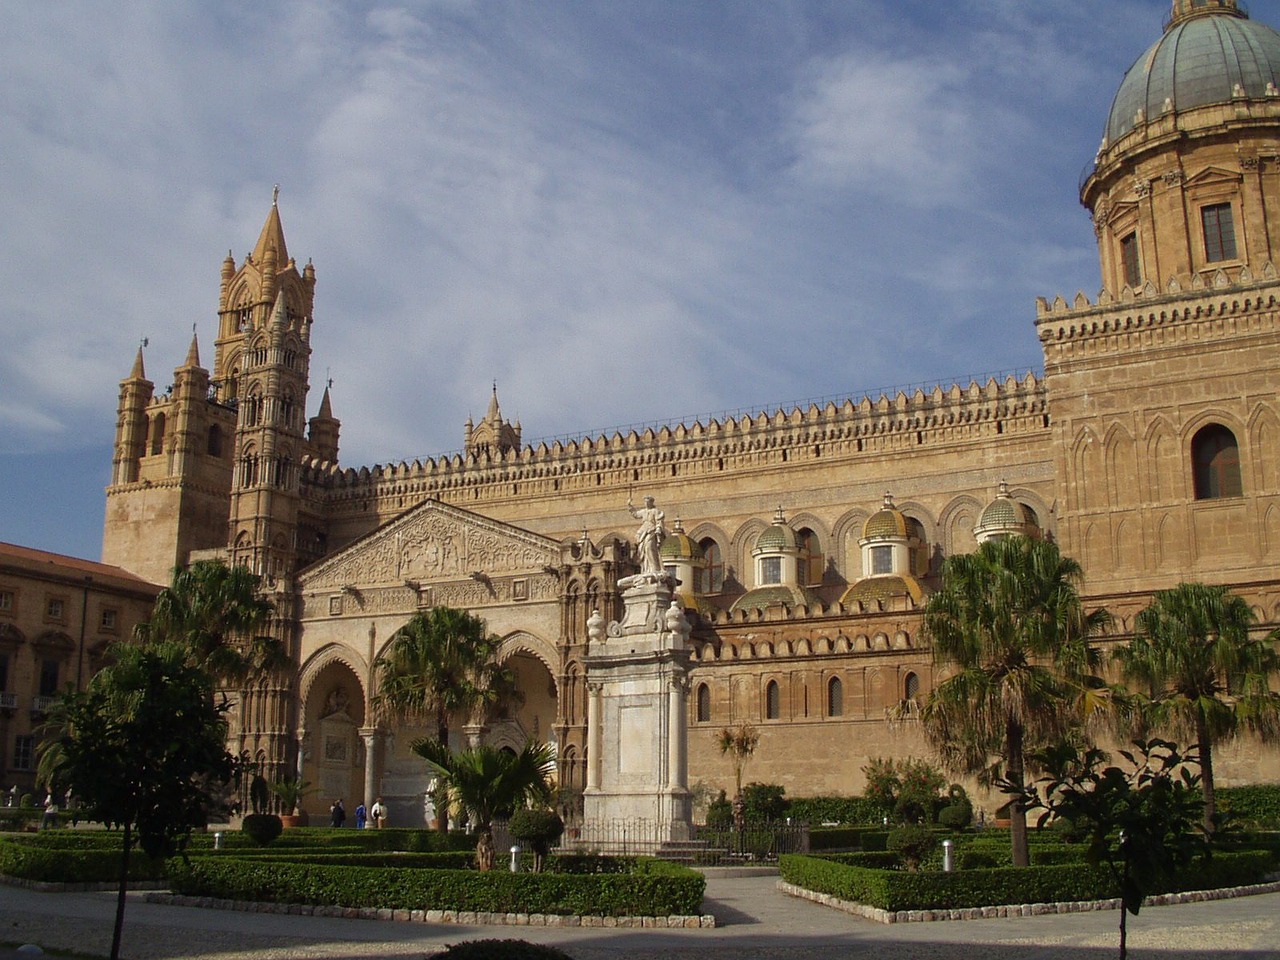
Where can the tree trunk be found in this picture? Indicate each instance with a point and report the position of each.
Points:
(484, 849)
(118, 932)
(1206, 771)
(441, 798)
(1017, 778)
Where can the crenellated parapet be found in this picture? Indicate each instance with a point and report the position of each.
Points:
(869, 427)
(1148, 315)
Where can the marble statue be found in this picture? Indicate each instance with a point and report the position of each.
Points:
(649, 536)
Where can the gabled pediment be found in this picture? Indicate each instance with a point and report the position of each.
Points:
(433, 542)
(1210, 176)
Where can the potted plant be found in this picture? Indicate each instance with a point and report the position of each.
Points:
(290, 792)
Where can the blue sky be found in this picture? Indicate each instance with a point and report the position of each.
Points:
(620, 211)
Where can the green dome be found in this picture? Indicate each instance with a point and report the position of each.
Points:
(778, 538)
(1211, 53)
(889, 522)
(1005, 515)
(774, 594)
(883, 588)
(678, 546)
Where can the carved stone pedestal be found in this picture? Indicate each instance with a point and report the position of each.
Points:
(637, 794)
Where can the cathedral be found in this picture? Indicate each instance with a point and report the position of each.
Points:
(805, 541)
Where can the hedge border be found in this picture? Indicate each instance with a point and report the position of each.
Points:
(471, 918)
(1018, 910)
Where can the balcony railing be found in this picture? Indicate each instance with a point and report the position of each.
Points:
(8, 701)
(42, 705)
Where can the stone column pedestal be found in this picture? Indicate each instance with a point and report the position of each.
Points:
(637, 671)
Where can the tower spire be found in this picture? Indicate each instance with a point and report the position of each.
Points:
(272, 235)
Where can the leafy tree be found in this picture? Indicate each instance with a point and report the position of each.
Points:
(540, 829)
(764, 802)
(144, 746)
(1009, 622)
(883, 784)
(1201, 675)
(440, 665)
(488, 783)
(913, 843)
(1143, 823)
(217, 612)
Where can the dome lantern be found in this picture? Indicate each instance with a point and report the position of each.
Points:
(1186, 9)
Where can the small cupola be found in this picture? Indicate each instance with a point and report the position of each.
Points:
(891, 550)
(1006, 517)
(682, 559)
(776, 556)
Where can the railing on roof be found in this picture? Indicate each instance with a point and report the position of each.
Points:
(1209, 4)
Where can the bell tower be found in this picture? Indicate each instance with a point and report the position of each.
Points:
(262, 366)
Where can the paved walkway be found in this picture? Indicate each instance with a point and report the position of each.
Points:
(757, 922)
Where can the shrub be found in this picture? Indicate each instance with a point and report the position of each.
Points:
(764, 802)
(841, 810)
(502, 950)
(653, 888)
(977, 860)
(834, 838)
(262, 827)
(540, 829)
(913, 843)
(897, 890)
(956, 816)
(47, 863)
(720, 813)
(1257, 806)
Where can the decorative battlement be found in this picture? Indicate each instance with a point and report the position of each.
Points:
(885, 424)
(1148, 309)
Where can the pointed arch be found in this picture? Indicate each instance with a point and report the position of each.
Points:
(1121, 466)
(1264, 439)
(1164, 468)
(1086, 470)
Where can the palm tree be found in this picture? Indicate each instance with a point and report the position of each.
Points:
(440, 665)
(1202, 675)
(1008, 621)
(739, 743)
(217, 612)
(488, 782)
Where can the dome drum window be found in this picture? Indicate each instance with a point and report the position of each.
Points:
(1219, 232)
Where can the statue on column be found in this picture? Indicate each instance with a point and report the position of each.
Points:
(649, 536)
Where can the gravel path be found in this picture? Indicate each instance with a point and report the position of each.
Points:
(756, 922)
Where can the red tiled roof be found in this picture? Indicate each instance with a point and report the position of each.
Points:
(57, 563)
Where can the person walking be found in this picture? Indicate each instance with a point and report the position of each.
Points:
(337, 814)
(362, 816)
(379, 814)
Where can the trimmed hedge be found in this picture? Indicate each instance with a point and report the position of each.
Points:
(50, 864)
(842, 810)
(897, 890)
(835, 838)
(655, 889)
(1256, 806)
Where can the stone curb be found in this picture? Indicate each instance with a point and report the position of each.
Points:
(470, 918)
(1018, 910)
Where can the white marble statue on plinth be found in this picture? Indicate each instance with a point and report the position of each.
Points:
(637, 682)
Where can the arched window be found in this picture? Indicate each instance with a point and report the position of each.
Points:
(1215, 460)
(214, 447)
(157, 434)
(835, 697)
(772, 701)
(713, 573)
(704, 703)
(910, 687)
(811, 560)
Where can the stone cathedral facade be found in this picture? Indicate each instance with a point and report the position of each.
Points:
(806, 540)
